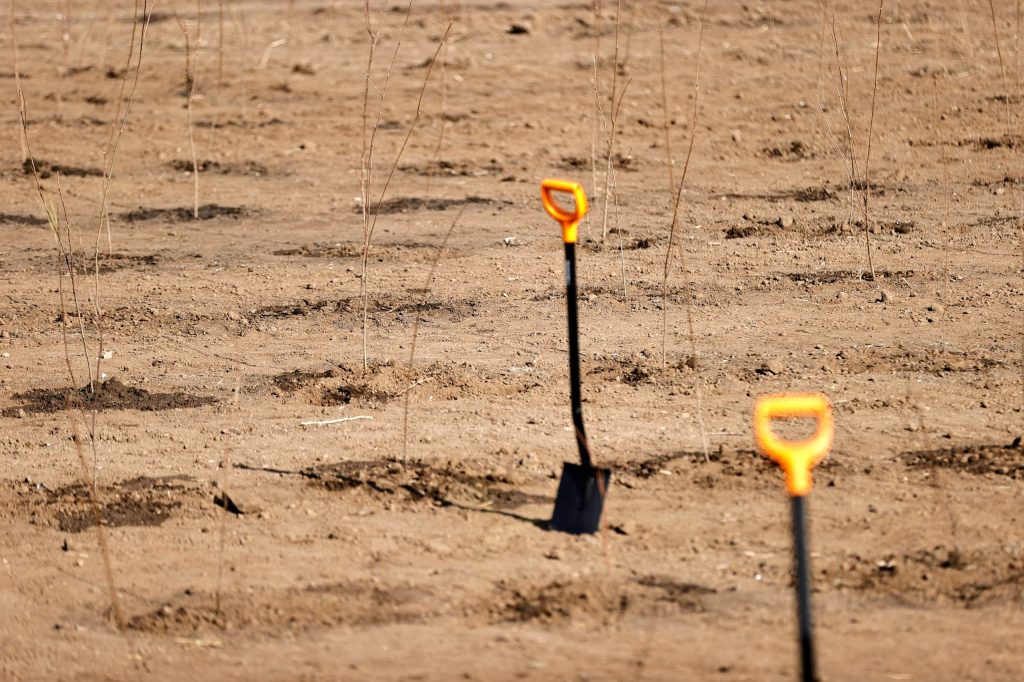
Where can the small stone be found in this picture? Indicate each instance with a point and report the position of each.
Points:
(311, 286)
(625, 528)
(520, 28)
(842, 296)
(936, 308)
(785, 221)
(771, 366)
(736, 136)
(884, 297)
(232, 315)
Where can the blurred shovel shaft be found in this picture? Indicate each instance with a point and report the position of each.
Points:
(803, 589)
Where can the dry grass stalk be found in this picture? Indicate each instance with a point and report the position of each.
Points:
(371, 226)
(688, 286)
(416, 328)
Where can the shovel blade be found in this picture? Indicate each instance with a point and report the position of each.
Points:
(580, 499)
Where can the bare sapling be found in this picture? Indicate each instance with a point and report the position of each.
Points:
(369, 136)
(842, 137)
(675, 199)
(225, 466)
(416, 328)
(612, 121)
(116, 609)
(69, 264)
(670, 162)
(140, 27)
(687, 283)
(66, 262)
(64, 20)
(1002, 68)
(370, 215)
(443, 120)
(1016, 56)
(190, 87)
(23, 129)
(218, 98)
(596, 118)
(867, 155)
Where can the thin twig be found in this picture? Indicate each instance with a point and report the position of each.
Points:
(328, 422)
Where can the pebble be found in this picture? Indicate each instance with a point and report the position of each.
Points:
(625, 528)
(736, 136)
(883, 297)
(520, 28)
(785, 221)
(232, 315)
(772, 366)
(842, 296)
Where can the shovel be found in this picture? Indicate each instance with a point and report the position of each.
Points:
(797, 459)
(582, 488)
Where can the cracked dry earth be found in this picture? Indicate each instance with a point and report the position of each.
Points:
(233, 334)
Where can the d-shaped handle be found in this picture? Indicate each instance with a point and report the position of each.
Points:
(570, 221)
(796, 458)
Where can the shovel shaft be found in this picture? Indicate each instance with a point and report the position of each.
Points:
(802, 565)
(574, 355)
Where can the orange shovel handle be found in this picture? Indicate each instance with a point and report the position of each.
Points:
(796, 458)
(569, 221)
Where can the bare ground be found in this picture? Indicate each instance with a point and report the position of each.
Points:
(230, 331)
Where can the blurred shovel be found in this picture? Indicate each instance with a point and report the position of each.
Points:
(582, 489)
(797, 459)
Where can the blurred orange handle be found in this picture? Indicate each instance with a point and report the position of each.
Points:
(798, 458)
(569, 221)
